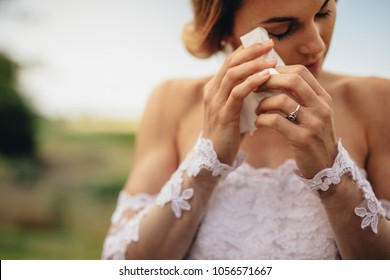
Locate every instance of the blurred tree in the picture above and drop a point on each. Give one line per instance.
(17, 120)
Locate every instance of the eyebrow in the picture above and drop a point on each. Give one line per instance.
(325, 4)
(288, 19)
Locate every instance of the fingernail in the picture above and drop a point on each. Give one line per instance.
(264, 73)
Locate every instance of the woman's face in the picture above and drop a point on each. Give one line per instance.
(301, 29)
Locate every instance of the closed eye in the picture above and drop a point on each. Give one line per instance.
(291, 28)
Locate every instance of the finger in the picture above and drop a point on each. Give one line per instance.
(307, 76)
(279, 103)
(239, 73)
(241, 91)
(250, 53)
(295, 85)
(279, 123)
(242, 55)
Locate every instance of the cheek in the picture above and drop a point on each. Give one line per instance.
(327, 32)
(327, 28)
(326, 35)
(287, 50)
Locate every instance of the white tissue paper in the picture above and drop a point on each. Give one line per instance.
(248, 115)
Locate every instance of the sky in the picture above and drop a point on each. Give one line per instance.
(102, 58)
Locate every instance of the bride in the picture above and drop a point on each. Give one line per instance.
(310, 182)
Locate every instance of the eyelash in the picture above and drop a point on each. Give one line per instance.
(324, 15)
(284, 35)
(292, 27)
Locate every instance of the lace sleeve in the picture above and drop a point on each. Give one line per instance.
(125, 222)
(131, 209)
(201, 157)
(370, 209)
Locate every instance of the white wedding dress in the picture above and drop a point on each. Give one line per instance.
(253, 214)
(264, 214)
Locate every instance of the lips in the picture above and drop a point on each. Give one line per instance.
(313, 66)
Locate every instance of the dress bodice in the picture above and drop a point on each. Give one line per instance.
(264, 214)
(252, 214)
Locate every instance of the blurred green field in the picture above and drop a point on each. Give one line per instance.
(58, 205)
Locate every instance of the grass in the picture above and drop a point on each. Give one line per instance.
(29, 244)
(58, 205)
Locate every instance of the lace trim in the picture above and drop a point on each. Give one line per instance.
(171, 192)
(202, 156)
(127, 201)
(205, 157)
(126, 230)
(264, 213)
(370, 210)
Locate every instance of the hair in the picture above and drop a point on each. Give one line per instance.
(213, 21)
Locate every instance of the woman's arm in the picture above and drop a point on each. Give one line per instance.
(163, 230)
(361, 231)
(148, 230)
(312, 137)
(353, 242)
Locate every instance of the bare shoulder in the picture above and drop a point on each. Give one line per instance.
(373, 90)
(371, 96)
(156, 145)
(368, 98)
(178, 95)
(169, 102)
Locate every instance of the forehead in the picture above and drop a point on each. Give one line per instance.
(253, 12)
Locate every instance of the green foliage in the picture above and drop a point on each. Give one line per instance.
(8, 71)
(17, 120)
(59, 204)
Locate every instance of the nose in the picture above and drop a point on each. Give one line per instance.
(312, 42)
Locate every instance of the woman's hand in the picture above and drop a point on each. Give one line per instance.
(311, 135)
(242, 72)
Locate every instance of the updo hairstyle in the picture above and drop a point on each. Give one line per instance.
(213, 21)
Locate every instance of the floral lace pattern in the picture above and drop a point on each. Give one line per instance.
(264, 214)
(201, 157)
(370, 210)
(253, 214)
(125, 230)
(204, 156)
(171, 192)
